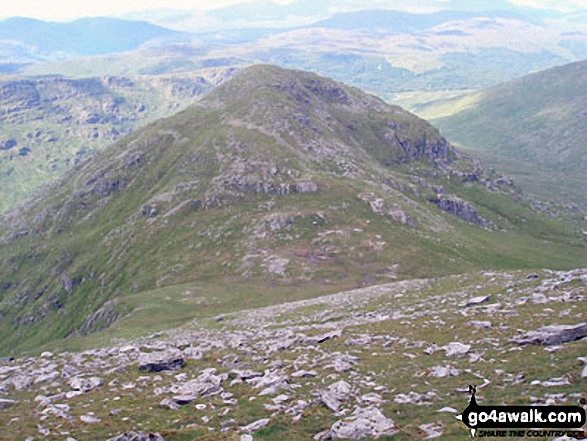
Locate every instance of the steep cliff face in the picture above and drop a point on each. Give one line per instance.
(277, 178)
(48, 124)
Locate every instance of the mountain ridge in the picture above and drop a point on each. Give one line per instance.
(276, 179)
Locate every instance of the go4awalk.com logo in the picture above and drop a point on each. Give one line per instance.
(523, 421)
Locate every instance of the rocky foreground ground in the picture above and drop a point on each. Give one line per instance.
(390, 362)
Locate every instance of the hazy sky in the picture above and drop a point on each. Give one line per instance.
(70, 9)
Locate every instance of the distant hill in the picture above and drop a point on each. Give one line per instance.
(534, 127)
(276, 181)
(400, 22)
(36, 39)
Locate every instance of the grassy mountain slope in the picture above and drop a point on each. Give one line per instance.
(49, 124)
(277, 178)
(533, 128)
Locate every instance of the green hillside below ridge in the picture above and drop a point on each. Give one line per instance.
(277, 185)
(533, 128)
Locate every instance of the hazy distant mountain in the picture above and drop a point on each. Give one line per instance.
(400, 22)
(84, 37)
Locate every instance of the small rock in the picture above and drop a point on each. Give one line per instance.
(449, 410)
(246, 437)
(477, 301)
(480, 324)
(89, 419)
(280, 399)
(556, 382)
(415, 398)
(442, 372)
(138, 436)
(5, 404)
(316, 339)
(304, 374)
(432, 430)
(256, 425)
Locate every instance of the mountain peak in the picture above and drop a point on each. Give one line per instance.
(276, 178)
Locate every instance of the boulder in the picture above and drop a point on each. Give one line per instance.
(85, 384)
(161, 361)
(363, 423)
(456, 349)
(552, 335)
(336, 394)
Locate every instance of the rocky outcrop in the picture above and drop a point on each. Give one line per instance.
(553, 335)
(458, 207)
(161, 361)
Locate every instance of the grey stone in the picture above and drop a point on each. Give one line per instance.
(552, 335)
(477, 300)
(256, 425)
(363, 423)
(316, 339)
(343, 362)
(85, 384)
(415, 398)
(161, 361)
(336, 394)
(480, 324)
(443, 372)
(166, 402)
(205, 385)
(5, 404)
(458, 207)
(456, 349)
(432, 430)
(304, 374)
(89, 419)
(137, 436)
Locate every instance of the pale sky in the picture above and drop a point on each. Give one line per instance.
(60, 10)
(70, 9)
